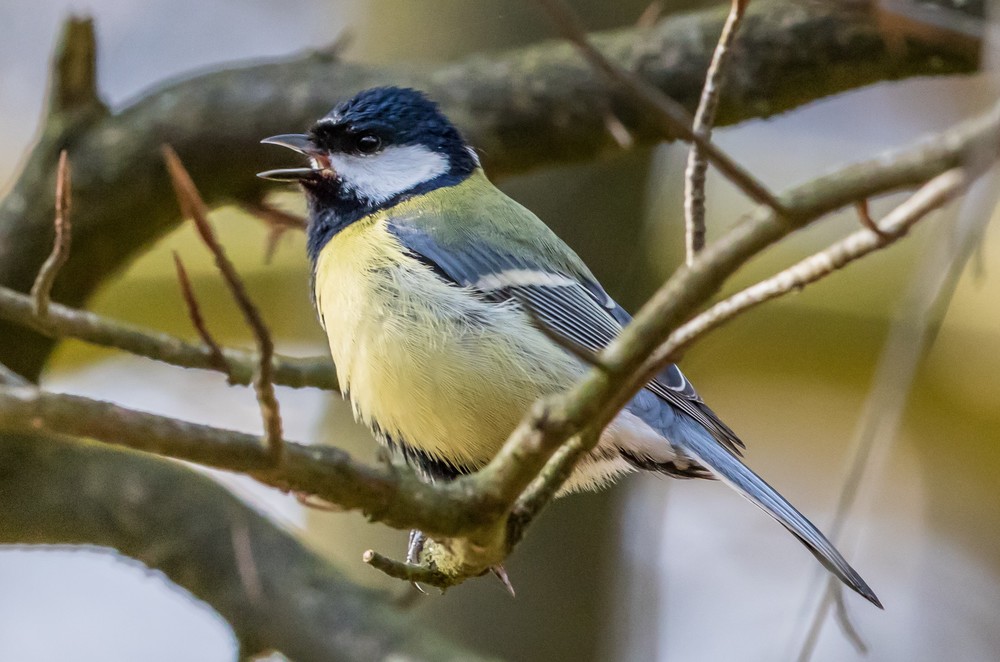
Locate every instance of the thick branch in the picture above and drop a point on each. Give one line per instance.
(524, 109)
(204, 539)
(398, 499)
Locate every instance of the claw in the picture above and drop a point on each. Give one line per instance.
(501, 574)
(413, 550)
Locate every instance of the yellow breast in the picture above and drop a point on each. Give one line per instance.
(428, 363)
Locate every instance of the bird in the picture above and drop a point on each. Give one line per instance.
(444, 302)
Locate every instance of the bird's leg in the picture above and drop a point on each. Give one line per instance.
(413, 551)
(415, 547)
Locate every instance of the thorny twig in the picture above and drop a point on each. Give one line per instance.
(192, 205)
(672, 119)
(704, 118)
(41, 290)
(198, 320)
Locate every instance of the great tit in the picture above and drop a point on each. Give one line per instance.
(431, 285)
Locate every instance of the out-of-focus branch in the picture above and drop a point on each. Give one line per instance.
(669, 115)
(119, 177)
(384, 494)
(63, 322)
(483, 515)
(704, 118)
(194, 531)
(633, 358)
(925, 303)
(41, 290)
(934, 195)
(192, 205)
(215, 354)
(278, 222)
(10, 378)
(523, 109)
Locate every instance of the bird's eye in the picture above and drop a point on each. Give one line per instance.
(367, 143)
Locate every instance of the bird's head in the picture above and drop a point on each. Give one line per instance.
(381, 145)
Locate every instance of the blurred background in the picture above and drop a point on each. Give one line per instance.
(651, 569)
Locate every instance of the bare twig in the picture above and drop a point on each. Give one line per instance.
(41, 290)
(596, 399)
(925, 304)
(10, 378)
(547, 485)
(936, 193)
(650, 15)
(278, 222)
(396, 498)
(472, 514)
(704, 118)
(416, 574)
(194, 312)
(864, 215)
(671, 118)
(192, 205)
(246, 566)
(64, 322)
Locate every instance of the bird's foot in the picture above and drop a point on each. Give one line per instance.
(414, 549)
(501, 574)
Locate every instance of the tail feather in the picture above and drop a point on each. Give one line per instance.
(729, 469)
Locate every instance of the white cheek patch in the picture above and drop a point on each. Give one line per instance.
(394, 170)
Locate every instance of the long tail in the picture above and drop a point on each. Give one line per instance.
(729, 469)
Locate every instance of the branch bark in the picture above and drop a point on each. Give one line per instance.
(195, 532)
(523, 109)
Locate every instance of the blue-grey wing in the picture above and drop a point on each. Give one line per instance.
(573, 306)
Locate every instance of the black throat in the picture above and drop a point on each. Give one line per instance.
(333, 207)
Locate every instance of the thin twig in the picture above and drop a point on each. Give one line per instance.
(278, 222)
(650, 15)
(197, 319)
(547, 485)
(936, 193)
(671, 118)
(41, 290)
(597, 398)
(10, 378)
(416, 574)
(913, 330)
(847, 626)
(65, 322)
(864, 215)
(192, 205)
(704, 119)
(246, 565)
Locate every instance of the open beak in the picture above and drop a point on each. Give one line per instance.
(301, 144)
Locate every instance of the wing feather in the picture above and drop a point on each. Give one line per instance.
(572, 305)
